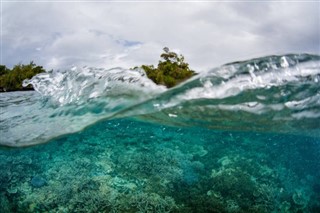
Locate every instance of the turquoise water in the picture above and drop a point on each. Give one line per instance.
(240, 138)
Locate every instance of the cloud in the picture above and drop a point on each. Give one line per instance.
(106, 34)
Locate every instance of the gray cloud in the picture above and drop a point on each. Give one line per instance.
(106, 34)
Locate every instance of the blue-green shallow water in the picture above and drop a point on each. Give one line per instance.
(130, 166)
(244, 137)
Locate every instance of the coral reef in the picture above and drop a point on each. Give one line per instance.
(166, 169)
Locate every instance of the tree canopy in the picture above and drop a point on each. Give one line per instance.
(11, 80)
(171, 70)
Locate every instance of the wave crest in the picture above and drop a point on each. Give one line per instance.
(80, 85)
(272, 94)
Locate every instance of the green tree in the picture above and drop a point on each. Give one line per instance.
(11, 80)
(3, 70)
(171, 70)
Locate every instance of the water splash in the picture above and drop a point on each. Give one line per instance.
(272, 94)
(80, 85)
(70, 101)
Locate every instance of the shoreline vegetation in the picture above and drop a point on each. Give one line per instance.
(11, 79)
(171, 71)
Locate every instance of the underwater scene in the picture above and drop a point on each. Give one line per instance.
(243, 137)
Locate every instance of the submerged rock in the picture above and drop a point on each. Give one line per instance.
(38, 182)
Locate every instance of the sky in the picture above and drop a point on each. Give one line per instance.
(61, 34)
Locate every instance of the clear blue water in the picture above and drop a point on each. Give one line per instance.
(244, 137)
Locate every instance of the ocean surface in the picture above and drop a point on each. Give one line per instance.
(242, 137)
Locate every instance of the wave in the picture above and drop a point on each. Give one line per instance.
(271, 94)
(278, 94)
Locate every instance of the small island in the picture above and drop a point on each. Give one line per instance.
(171, 71)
